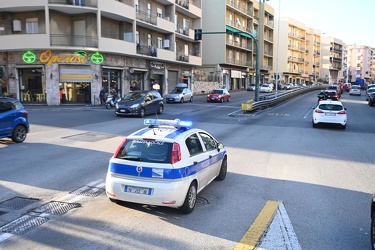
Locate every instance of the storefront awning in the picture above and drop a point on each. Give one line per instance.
(75, 73)
(240, 32)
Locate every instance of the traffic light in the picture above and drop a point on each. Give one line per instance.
(1, 72)
(198, 34)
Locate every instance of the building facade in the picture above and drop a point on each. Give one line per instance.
(358, 63)
(229, 48)
(332, 60)
(299, 50)
(77, 47)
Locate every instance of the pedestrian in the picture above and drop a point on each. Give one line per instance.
(102, 96)
(87, 95)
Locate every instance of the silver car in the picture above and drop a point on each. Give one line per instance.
(180, 94)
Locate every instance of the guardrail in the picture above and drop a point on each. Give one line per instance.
(272, 100)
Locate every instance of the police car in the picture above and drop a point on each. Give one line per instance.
(165, 164)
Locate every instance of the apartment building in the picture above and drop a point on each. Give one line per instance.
(299, 50)
(332, 60)
(229, 51)
(358, 63)
(48, 46)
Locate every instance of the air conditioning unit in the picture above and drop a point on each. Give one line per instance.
(17, 25)
(166, 44)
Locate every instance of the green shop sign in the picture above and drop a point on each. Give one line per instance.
(48, 57)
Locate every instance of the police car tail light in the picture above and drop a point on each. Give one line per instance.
(319, 111)
(341, 113)
(176, 153)
(119, 148)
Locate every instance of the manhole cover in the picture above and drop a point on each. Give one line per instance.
(201, 201)
(89, 137)
(56, 207)
(17, 203)
(88, 191)
(23, 224)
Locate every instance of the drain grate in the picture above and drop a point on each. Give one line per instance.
(88, 191)
(56, 207)
(89, 137)
(23, 224)
(2, 212)
(17, 203)
(200, 202)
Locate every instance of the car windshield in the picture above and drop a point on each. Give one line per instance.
(332, 107)
(177, 91)
(133, 96)
(218, 91)
(146, 151)
(265, 85)
(355, 87)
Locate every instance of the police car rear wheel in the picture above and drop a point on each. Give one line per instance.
(190, 199)
(223, 170)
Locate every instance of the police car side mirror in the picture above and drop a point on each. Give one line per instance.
(220, 146)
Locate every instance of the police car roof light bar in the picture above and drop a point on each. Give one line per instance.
(176, 123)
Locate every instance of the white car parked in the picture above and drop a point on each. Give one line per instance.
(330, 112)
(165, 164)
(265, 88)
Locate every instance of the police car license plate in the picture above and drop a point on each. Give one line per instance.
(330, 114)
(137, 190)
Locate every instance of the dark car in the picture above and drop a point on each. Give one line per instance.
(14, 122)
(218, 95)
(335, 87)
(328, 94)
(140, 103)
(371, 99)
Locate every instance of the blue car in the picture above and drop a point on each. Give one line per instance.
(14, 122)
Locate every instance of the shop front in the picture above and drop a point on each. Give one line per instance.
(32, 85)
(75, 83)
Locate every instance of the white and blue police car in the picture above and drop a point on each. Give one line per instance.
(165, 164)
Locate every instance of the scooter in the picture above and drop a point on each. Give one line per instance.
(110, 102)
(322, 96)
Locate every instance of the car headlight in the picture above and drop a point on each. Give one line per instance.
(134, 106)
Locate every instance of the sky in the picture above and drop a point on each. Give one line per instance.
(353, 22)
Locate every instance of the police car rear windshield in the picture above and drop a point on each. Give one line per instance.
(146, 151)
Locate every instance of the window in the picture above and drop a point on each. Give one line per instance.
(159, 12)
(32, 26)
(186, 52)
(160, 43)
(137, 37)
(148, 10)
(193, 144)
(149, 42)
(136, 6)
(208, 141)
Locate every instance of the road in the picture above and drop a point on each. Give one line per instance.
(322, 176)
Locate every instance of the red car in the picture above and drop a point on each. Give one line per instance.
(218, 95)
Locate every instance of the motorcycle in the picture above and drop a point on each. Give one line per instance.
(111, 102)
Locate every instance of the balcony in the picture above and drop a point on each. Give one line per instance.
(119, 11)
(146, 18)
(188, 8)
(16, 42)
(116, 46)
(143, 49)
(82, 3)
(73, 40)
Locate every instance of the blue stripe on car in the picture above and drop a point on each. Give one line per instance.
(171, 174)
